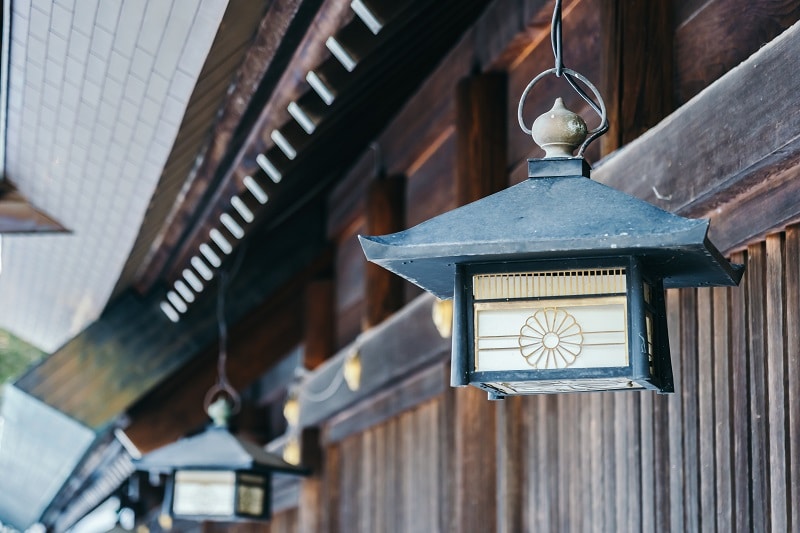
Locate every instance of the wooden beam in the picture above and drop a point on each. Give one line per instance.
(281, 29)
(388, 355)
(397, 398)
(381, 83)
(729, 154)
(385, 213)
(636, 88)
(17, 215)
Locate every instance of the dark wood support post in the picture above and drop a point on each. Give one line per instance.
(311, 509)
(319, 323)
(481, 165)
(385, 213)
(637, 70)
(482, 136)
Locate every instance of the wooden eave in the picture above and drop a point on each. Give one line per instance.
(17, 215)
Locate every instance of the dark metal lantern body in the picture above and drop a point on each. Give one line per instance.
(558, 220)
(217, 451)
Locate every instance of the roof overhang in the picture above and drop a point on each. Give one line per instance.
(548, 217)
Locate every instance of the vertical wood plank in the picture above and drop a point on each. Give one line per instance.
(392, 466)
(608, 468)
(792, 265)
(689, 389)
(382, 473)
(585, 474)
(706, 420)
(446, 458)
(481, 143)
(332, 489)
(369, 482)
(320, 330)
(475, 453)
(385, 213)
(675, 415)
(621, 492)
(596, 454)
(634, 458)
(759, 445)
(661, 456)
(408, 439)
(647, 464)
(509, 465)
(776, 376)
(722, 409)
(741, 400)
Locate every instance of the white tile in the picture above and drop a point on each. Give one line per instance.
(43, 6)
(101, 43)
(182, 84)
(150, 111)
(23, 7)
(174, 40)
(106, 114)
(118, 66)
(74, 71)
(157, 87)
(78, 47)
(129, 29)
(95, 69)
(153, 24)
(108, 14)
(128, 113)
(134, 90)
(173, 111)
(141, 63)
(36, 51)
(61, 21)
(112, 90)
(83, 16)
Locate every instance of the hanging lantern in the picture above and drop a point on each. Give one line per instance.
(557, 282)
(215, 475)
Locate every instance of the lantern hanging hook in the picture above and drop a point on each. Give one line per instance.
(559, 70)
(216, 406)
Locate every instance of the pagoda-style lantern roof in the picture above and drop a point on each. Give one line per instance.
(557, 212)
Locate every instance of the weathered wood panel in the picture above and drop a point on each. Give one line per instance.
(720, 35)
(388, 477)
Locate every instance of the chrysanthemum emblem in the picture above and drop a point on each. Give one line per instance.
(551, 338)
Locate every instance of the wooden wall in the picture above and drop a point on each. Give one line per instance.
(722, 454)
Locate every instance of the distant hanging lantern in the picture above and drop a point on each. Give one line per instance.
(215, 475)
(558, 282)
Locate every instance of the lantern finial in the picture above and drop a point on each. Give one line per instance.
(559, 132)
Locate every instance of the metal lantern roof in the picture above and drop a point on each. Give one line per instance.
(214, 449)
(557, 212)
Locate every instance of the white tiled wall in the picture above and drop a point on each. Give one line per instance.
(97, 91)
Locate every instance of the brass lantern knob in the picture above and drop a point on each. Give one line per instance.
(559, 132)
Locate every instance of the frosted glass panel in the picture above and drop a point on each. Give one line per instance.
(551, 334)
(204, 493)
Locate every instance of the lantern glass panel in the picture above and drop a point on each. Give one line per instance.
(204, 493)
(251, 495)
(551, 320)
